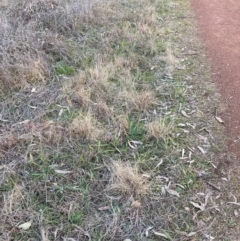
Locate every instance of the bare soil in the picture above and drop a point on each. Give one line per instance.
(219, 21)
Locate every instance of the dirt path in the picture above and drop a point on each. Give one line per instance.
(219, 23)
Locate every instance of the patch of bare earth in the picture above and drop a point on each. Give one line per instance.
(108, 124)
(218, 29)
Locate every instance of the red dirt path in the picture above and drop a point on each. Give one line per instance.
(219, 24)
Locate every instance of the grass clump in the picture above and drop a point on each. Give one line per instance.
(85, 126)
(137, 100)
(64, 69)
(127, 180)
(160, 129)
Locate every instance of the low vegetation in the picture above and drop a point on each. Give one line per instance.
(107, 124)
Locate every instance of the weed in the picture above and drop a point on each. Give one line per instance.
(64, 69)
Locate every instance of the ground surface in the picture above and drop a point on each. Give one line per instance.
(109, 125)
(219, 24)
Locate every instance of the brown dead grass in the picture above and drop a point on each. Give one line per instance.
(127, 180)
(134, 100)
(171, 61)
(160, 129)
(85, 126)
(12, 200)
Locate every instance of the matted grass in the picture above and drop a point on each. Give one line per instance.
(107, 124)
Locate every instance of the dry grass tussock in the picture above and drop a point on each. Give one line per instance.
(137, 100)
(127, 179)
(160, 129)
(12, 201)
(85, 126)
(171, 61)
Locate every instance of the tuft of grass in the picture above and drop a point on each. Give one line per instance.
(171, 61)
(137, 100)
(160, 129)
(127, 180)
(85, 126)
(13, 200)
(64, 69)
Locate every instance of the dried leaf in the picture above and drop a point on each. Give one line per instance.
(164, 235)
(179, 185)
(145, 175)
(219, 119)
(206, 199)
(183, 152)
(22, 122)
(132, 146)
(104, 208)
(160, 163)
(187, 209)
(136, 204)
(163, 191)
(184, 114)
(185, 131)
(62, 171)
(33, 107)
(1, 119)
(196, 205)
(181, 232)
(172, 192)
(200, 137)
(192, 234)
(137, 142)
(236, 213)
(214, 186)
(192, 126)
(25, 226)
(147, 231)
(201, 149)
(60, 113)
(181, 125)
(234, 203)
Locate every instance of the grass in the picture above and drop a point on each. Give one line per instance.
(159, 129)
(107, 133)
